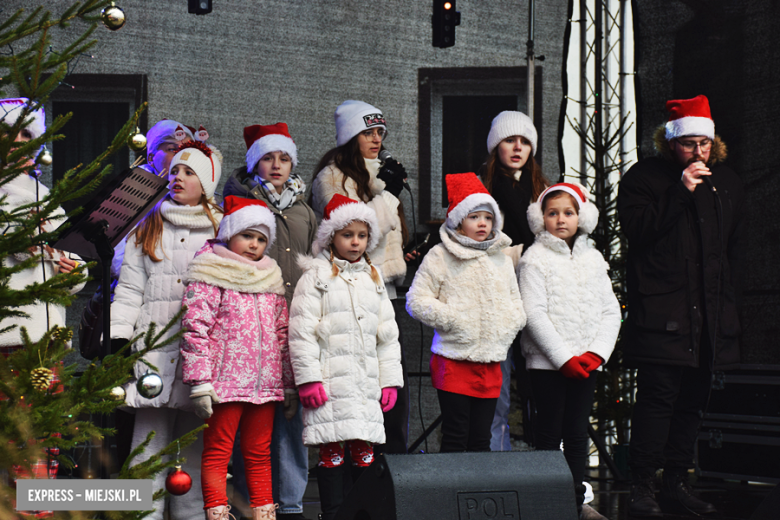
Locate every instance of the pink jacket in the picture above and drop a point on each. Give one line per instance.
(235, 326)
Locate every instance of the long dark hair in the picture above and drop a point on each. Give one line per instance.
(349, 160)
(493, 167)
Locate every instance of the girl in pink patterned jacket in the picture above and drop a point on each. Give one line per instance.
(235, 353)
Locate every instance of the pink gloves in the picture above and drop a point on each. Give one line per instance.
(590, 361)
(312, 394)
(389, 397)
(573, 369)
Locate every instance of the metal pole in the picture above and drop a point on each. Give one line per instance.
(598, 127)
(529, 55)
(583, 88)
(622, 79)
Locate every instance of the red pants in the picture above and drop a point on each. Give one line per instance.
(332, 454)
(257, 424)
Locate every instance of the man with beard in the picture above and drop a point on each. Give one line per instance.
(681, 212)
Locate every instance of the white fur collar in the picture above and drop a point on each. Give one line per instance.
(466, 253)
(234, 272)
(185, 216)
(22, 190)
(559, 245)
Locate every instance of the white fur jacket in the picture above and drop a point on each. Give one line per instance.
(150, 291)
(388, 254)
(470, 297)
(569, 301)
(343, 333)
(25, 190)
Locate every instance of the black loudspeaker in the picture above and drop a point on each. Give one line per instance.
(769, 507)
(534, 485)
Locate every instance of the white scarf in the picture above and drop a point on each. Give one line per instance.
(185, 216)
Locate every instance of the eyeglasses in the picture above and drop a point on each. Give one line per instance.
(368, 134)
(690, 146)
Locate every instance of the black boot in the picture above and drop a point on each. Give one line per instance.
(641, 501)
(677, 496)
(357, 471)
(330, 482)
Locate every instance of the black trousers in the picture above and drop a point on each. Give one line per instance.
(665, 422)
(563, 408)
(397, 419)
(466, 422)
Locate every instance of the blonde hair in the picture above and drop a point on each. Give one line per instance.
(335, 269)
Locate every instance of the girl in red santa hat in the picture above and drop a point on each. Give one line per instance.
(344, 346)
(234, 351)
(573, 323)
(466, 290)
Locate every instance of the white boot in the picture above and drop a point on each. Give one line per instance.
(266, 512)
(219, 513)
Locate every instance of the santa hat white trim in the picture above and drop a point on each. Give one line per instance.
(270, 143)
(255, 217)
(340, 218)
(588, 212)
(691, 125)
(467, 205)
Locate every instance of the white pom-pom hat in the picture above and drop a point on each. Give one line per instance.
(509, 123)
(241, 214)
(588, 212)
(466, 193)
(263, 139)
(689, 117)
(11, 109)
(204, 160)
(338, 214)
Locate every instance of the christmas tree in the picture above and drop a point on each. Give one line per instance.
(38, 420)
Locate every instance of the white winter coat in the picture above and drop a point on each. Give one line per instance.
(470, 297)
(388, 255)
(343, 333)
(22, 190)
(569, 301)
(151, 291)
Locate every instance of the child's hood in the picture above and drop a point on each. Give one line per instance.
(216, 265)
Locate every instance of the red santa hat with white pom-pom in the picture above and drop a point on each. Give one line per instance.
(689, 117)
(588, 212)
(242, 214)
(340, 212)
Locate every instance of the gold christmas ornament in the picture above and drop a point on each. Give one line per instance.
(113, 17)
(118, 393)
(45, 158)
(137, 141)
(63, 334)
(41, 378)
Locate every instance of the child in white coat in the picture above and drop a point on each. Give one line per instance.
(150, 289)
(466, 289)
(573, 323)
(343, 346)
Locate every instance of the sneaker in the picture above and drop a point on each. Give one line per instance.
(641, 501)
(588, 513)
(677, 496)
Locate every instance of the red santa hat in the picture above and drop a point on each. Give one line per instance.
(689, 117)
(11, 109)
(338, 214)
(241, 214)
(262, 139)
(467, 194)
(588, 212)
(204, 160)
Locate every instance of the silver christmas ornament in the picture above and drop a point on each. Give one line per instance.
(113, 17)
(45, 157)
(150, 385)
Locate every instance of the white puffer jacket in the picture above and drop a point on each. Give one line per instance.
(470, 297)
(19, 191)
(343, 333)
(569, 302)
(388, 255)
(151, 291)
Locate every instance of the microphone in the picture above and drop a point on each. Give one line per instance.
(385, 156)
(708, 182)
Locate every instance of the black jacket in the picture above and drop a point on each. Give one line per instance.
(513, 199)
(683, 262)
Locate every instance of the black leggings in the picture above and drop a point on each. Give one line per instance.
(466, 422)
(562, 413)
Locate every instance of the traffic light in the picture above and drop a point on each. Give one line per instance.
(445, 18)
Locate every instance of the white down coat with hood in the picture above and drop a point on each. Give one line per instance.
(343, 333)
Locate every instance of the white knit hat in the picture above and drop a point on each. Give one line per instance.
(509, 123)
(338, 214)
(11, 109)
(588, 212)
(352, 117)
(261, 140)
(242, 213)
(167, 131)
(204, 160)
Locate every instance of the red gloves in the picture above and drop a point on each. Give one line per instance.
(573, 369)
(389, 397)
(312, 394)
(590, 361)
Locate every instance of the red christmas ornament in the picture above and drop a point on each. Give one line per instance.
(178, 482)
